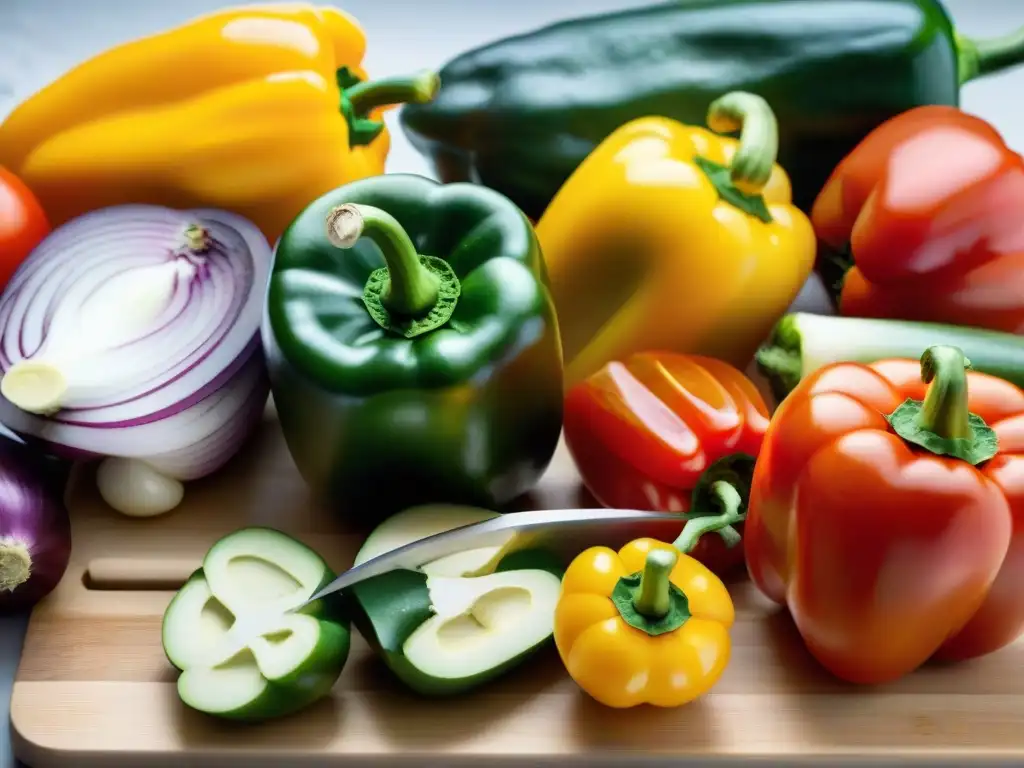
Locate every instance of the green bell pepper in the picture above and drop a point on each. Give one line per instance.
(233, 631)
(413, 348)
(520, 114)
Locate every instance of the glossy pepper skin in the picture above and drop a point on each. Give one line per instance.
(644, 613)
(402, 379)
(521, 113)
(887, 513)
(23, 224)
(671, 433)
(672, 237)
(929, 209)
(253, 109)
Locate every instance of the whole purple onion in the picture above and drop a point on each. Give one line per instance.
(35, 531)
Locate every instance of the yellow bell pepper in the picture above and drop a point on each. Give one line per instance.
(254, 109)
(672, 237)
(644, 625)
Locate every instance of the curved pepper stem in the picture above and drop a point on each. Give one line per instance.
(944, 411)
(976, 58)
(942, 423)
(731, 504)
(406, 89)
(413, 294)
(653, 599)
(751, 166)
(359, 98)
(412, 289)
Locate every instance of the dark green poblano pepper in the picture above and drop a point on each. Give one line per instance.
(520, 114)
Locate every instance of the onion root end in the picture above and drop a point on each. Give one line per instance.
(15, 564)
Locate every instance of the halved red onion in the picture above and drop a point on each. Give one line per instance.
(133, 333)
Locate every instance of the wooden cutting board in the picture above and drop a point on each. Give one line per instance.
(95, 691)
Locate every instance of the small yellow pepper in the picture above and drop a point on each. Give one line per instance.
(253, 109)
(672, 237)
(644, 625)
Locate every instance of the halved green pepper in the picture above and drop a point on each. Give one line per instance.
(413, 348)
(461, 621)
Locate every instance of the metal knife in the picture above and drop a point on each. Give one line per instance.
(565, 532)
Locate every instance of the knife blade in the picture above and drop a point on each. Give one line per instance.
(566, 532)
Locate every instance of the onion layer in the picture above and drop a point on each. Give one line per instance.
(133, 332)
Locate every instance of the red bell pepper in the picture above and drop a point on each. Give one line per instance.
(671, 433)
(930, 208)
(889, 515)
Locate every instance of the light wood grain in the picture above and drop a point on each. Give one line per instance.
(95, 691)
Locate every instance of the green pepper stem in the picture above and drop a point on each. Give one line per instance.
(404, 89)
(751, 166)
(976, 58)
(653, 599)
(945, 411)
(413, 289)
(730, 502)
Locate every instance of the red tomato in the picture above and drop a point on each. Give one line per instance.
(23, 224)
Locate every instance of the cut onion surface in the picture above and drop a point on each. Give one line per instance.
(132, 334)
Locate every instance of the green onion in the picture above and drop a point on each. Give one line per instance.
(802, 343)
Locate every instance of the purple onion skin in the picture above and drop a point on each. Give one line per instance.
(33, 522)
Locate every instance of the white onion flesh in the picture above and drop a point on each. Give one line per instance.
(144, 324)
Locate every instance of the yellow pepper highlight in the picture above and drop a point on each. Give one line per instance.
(644, 625)
(673, 237)
(255, 109)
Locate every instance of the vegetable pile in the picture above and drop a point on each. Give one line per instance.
(630, 203)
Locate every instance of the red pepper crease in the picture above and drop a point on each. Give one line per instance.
(671, 433)
(930, 207)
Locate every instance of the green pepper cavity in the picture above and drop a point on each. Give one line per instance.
(455, 624)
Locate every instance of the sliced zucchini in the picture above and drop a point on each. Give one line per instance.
(232, 630)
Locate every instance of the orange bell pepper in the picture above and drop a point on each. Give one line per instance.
(255, 109)
(644, 625)
(887, 513)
